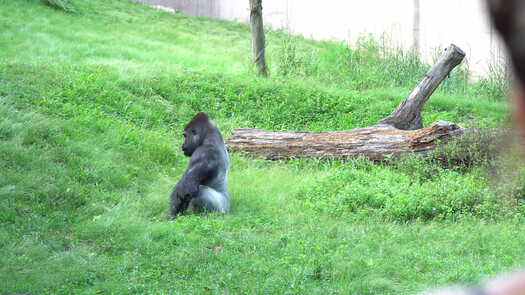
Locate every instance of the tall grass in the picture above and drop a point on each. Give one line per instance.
(376, 62)
(369, 63)
(295, 59)
(371, 59)
(497, 80)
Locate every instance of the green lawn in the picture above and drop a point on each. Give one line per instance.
(92, 105)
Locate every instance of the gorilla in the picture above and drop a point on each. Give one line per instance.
(204, 184)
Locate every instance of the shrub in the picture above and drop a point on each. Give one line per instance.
(477, 147)
(416, 189)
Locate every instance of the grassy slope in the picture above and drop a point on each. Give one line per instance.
(90, 104)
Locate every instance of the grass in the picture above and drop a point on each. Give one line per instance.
(92, 103)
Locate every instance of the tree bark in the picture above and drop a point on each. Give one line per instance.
(399, 133)
(374, 142)
(258, 40)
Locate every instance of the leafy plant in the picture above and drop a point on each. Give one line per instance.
(294, 58)
(413, 189)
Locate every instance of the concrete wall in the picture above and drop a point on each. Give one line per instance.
(193, 7)
(441, 22)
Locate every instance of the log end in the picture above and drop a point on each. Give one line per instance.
(457, 51)
(439, 131)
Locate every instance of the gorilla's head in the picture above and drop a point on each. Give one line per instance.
(195, 132)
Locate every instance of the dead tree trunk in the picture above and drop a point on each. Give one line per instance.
(258, 41)
(407, 116)
(374, 142)
(395, 135)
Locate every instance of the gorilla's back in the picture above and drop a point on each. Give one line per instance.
(219, 182)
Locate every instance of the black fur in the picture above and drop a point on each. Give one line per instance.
(204, 184)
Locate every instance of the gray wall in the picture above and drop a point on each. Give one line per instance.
(206, 8)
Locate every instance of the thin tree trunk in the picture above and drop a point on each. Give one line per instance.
(394, 135)
(417, 23)
(258, 40)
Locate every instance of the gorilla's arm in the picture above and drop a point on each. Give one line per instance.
(202, 163)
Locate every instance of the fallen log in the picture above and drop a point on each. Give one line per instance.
(399, 133)
(374, 142)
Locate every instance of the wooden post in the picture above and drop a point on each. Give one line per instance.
(258, 41)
